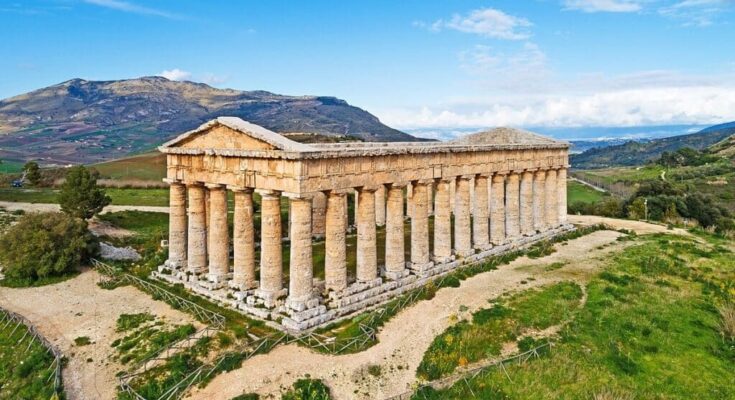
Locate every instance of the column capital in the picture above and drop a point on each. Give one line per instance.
(484, 175)
(336, 193)
(244, 189)
(465, 177)
(398, 185)
(193, 183)
(173, 181)
(532, 169)
(501, 173)
(215, 186)
(367, 189)
(268, 193)
(298, 196)
(422, 182)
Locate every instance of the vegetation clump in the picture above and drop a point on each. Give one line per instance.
(126, 322)
(308, 389)
(25, 371)
(45, 245)
(79, 196)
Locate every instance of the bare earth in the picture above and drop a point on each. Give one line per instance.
(405, 338)
(78, 307)
(49, 207)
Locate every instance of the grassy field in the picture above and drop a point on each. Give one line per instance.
(650, 329)
(577, 192)
(10, 166)
(144, 167)
(122, 197)
(24, 374)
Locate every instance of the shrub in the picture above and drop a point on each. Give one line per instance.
(82, 341)
(46, 244)
(79, 196)
(727, 325)
(308, 389)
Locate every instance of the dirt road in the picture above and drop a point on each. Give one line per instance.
(48, 207)
(78, 307)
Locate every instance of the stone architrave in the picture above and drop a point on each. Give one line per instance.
(271, 255)
(480, 220)
(462, 228)
(442, 223)
(367, 257)
(395, 257)
(301, 271)
(552, 206)
(527, 203)
(244, 240)
(539, 200)
(177, 225)
(335, 261)
(219, 242)
(512, 206)
(497, 210)
(197, 232)
(420, 257)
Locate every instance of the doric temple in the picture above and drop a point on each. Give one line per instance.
(421, 210)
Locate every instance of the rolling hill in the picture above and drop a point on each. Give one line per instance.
(638, 153)
(80, 121)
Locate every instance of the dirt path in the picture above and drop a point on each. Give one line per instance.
(639, 227)
(49, 207)
(405, 338)
(78, 307)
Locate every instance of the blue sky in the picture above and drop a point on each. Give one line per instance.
(415, 64)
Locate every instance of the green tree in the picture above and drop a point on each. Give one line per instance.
(79, 196)
(46, 244)
(33, 172)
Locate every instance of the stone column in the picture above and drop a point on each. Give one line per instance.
(512, 206)
(244, 240)
(462, 228)
(301, 271)
(527, 203)
(395, 257)
(539, 200)
(271, 256)
(430, 198)
(318, 214)
(177, 225)
(497, 211)
(197, 233)
(420, 257)
(561, 180)
(219, 240)
(367, 258)
(335, 260)
(552, 201)
(380, 206)
(409, 201)
(480, 222)
(442, 223)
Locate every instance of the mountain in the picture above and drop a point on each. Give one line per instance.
(724, 148)
(637, 153)
(80, 121)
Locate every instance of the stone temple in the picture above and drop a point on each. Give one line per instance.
(421, 210)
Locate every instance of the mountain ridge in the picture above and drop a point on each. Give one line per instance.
(84, 121)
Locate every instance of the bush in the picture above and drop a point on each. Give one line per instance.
(42, 245)
(308, 389)
(79, 196)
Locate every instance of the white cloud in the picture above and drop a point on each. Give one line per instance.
(175, 74)
(488, 22)
(696, 12)
(521, 70)
(592, 6)
(613, 102)
(213, 79)
(125, 6)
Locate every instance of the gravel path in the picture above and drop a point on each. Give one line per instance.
(49, 207)
(78, 307)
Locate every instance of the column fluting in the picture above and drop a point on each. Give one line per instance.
(380, 206)
(552, 201)
(177, 225)
(462, 228)
(335, 260)
(271, 256)
(367, 259)
(497, 211)
(244, 240)
(219, 241)
(527, 203)
(539, 200)
(480, 220)
(512, 206)
(420, 257)
(197, 231)
(395, 257)
(442, 223)
(301, 271)
(318, 214)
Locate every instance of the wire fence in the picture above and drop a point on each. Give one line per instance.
(7, 318)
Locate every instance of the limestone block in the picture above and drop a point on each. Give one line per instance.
(301, 272)
(380, 206)
(419, 226)
(219, 251)
(197, 232)
(244, 241)
(512, 206)
(394, 236)
(335, 261)
(552, 200)
(271, 258)
(497, 211)
(561, 180)
(539, 200)
(481, 221)
(177, 225)
(319, 215)
(442, 223)
(367, 260)
(527, 203)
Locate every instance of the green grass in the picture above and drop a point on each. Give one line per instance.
(10, 166)
(126, 322)
(577, 192)
(307, 389)
(649, 330)
(145, 167)
(23, 374)
(121, 197)
(146, 338)
(30, 282)
(484, 336)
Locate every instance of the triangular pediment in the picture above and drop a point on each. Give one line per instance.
(234, 134)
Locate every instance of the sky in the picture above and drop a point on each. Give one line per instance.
(416, 64)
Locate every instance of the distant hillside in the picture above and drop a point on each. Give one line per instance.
(81, 121)
(638, 153)
(724, 148)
